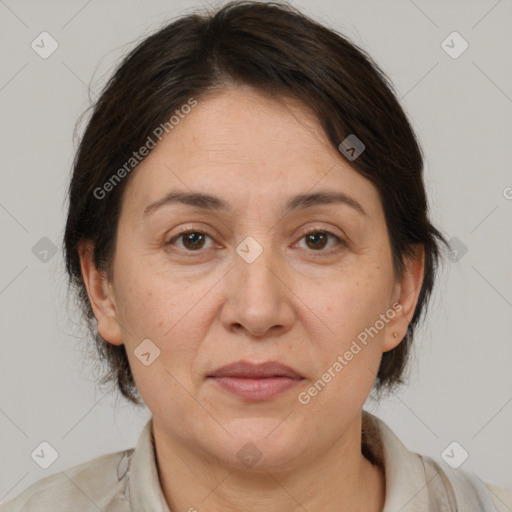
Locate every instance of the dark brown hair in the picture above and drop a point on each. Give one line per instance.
(275, 49)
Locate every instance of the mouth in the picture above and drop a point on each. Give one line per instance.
(255, 382)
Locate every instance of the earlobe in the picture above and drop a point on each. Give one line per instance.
(101, 296)
(407, 292)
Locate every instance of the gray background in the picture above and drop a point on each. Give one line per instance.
(460, 386)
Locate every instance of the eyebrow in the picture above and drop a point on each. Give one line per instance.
(215, 203)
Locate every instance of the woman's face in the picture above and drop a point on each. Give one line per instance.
(257, 279)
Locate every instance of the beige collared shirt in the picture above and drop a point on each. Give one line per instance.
(127, 481)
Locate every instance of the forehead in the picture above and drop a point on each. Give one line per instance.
(247, 148)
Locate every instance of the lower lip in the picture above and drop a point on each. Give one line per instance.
(256, 389)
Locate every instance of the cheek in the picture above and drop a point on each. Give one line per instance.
(347, 351)
(174, 323)
(151, 304)
(349, 302)
(349, 334)
(166, 311)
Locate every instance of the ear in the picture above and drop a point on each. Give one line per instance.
(405, 297)
(101, 296)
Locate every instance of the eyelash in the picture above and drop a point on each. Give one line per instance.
(322, 252)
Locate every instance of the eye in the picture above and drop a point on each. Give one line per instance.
(317, 240)
(192, 241)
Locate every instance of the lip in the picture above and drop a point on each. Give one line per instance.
(258, 382)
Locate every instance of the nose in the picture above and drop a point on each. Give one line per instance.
(259, 299)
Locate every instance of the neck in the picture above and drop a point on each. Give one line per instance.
(339, 479)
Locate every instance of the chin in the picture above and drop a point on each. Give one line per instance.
(262, 444)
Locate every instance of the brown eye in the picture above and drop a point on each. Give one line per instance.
(193, 240)
(318, 240)
(190, 240)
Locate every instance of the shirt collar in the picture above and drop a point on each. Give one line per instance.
(145, 491)
(406, 484)
(406, 489)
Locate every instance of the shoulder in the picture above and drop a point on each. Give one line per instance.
(502, 497)
(94, 485)
(407, 471)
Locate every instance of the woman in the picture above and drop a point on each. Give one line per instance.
(248, 234)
